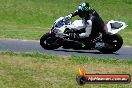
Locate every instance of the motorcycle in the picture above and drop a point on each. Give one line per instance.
(59, 37)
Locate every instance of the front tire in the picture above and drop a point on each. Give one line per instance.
(48, 42)
(115, 41)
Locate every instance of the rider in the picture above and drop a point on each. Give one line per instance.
(91, 17)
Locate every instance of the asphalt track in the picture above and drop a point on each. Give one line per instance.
(33, 46)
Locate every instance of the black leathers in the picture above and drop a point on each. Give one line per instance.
(97, 22)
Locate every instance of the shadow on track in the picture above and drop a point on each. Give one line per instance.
(82, 51)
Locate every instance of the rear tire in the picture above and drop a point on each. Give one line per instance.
(114, 40)
(47, 42)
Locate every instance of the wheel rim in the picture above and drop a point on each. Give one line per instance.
(113, 43)
(48, 41)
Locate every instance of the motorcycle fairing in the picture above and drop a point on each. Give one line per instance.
(79, 24)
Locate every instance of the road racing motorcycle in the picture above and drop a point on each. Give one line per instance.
(59, 37)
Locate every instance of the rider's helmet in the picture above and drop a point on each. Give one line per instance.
(83, 8)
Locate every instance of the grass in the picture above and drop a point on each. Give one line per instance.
(29, 19)
(27, 70)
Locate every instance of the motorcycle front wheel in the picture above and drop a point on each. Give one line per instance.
(48, 42)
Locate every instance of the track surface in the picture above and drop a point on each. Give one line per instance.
(33, 46)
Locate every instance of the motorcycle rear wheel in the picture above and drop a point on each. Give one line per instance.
(115, 41)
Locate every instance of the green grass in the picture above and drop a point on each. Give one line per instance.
(29, 19)
(28, 70)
